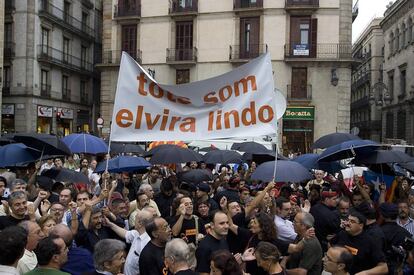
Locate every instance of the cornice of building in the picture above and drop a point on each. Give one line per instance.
(374, 24)
(395, 12)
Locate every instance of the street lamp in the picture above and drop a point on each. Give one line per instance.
(384, 97)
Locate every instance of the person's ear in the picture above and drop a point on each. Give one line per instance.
(341, 266)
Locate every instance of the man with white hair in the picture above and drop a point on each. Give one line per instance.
(319, 174)
(147, 189)
(138, 238)
(176, 257)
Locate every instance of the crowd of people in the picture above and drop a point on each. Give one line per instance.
(153, 222)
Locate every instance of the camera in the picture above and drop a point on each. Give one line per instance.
(403, 250)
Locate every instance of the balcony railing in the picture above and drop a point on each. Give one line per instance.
(319, 51)
(9, 49)
(45, 90)
(9, 6)
(84, 98)
(87, 3)
(299, 92)
(6, 88)
(183, 7)
(66, 94)
(361, 80)
(301, 4)
(114, 57)
(63, 59)
(182, 55)
(362, 57)
(243, 4)
(67, 21)
(360, 103)
(124, 11)
(243, 52)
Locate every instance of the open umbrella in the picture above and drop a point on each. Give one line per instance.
(167, 153)
(262, 156)
(66, 175)
(310, 161)
(222, 156)
(249, 147)
(408, 165)
(17, 153)
(47, 144)
(382, 156)
(208, 149)
(85, 143)
(333, 139)
(195, 176)
(286, 171)
(124, 148)
(348, 149)
(123, 164)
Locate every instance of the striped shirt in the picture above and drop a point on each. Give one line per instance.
(409, 226)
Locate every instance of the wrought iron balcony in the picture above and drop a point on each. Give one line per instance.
(114, 57)
(183, 7)
(87, 3)
(6, 88)
(45, 90)
(9, 49)
(182, 56)
(127, 9)
(84, 98)
(242, 53)
(299, 92)
(301, 4)
(65, 20)
(361, 80)
(318, 51)
(360, 103)
(56, 57)
(66, 94)
(245, 4)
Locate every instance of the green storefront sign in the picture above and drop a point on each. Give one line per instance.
(299, 113)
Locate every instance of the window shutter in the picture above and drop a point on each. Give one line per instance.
(314, 37)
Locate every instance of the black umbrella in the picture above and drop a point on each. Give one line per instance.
(168, 153)
(263, 156)
(123, 148)
(207, 149)
(222, 156)
(249, 147)
(382, 156)
(333, 139)
(286, 171)
(195, 176)
(47, 144)
(65, 175)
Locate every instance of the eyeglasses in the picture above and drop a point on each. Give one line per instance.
(353, 221)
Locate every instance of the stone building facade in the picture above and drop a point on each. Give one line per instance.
(367, 78)
(188, 40)
(49, 80)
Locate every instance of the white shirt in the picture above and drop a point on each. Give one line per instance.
(8, 270)
(28, 262)
(285, 230)
(131, 266)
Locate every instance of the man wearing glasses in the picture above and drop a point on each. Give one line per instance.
(368, 257)
(337, 261)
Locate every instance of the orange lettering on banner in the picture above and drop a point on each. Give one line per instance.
(226, 92)
(125, 118)
(265, 114)
(141, 80)
(244, 81)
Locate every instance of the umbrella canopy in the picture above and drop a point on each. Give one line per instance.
(122, 148)
(222, 156)
(262, 156)
(208, 149)
(408, 165)
(249, 147)
(47, 144)
(286, 171)
(85, 143)
(348, 149)
(310, 161)
(17, 153)
(123, 164)
(382, 156)
(165, 154)
(195, 176)
(333, 139)
(66, 175)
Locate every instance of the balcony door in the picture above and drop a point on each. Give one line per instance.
(129, 40)
(184, 40)
(303, 36)
(249, 37)
(299, 83)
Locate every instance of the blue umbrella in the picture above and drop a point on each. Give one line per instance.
(123, 164)
(333, 139)
(348, 149)
(383, 156)
(310, 161)
(85, 143)
(286, 171)
(17, 153)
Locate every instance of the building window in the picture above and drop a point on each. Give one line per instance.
(44, 84)
(389, 129)
(6, 80)
(129, 40)
(391, 84)
(182, 76)
(66, 12)
(403, 81)
(45, 40)
(401, 118)
(184, 40)
(391, 43)
(84, 97)
(84, 21)
(65, 88)
(402, 36)
(66, 43)
(84, 52)
(303, 36)
(397, 40)
(8, 33)
(409, 30)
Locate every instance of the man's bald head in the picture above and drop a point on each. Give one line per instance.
(142, 218)
(63, 231)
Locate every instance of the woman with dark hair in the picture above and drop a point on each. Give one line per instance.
(267, 257)
(224, 263)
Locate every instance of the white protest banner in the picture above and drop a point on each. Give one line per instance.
(240, 103)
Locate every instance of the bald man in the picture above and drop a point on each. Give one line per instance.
(337, 261)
